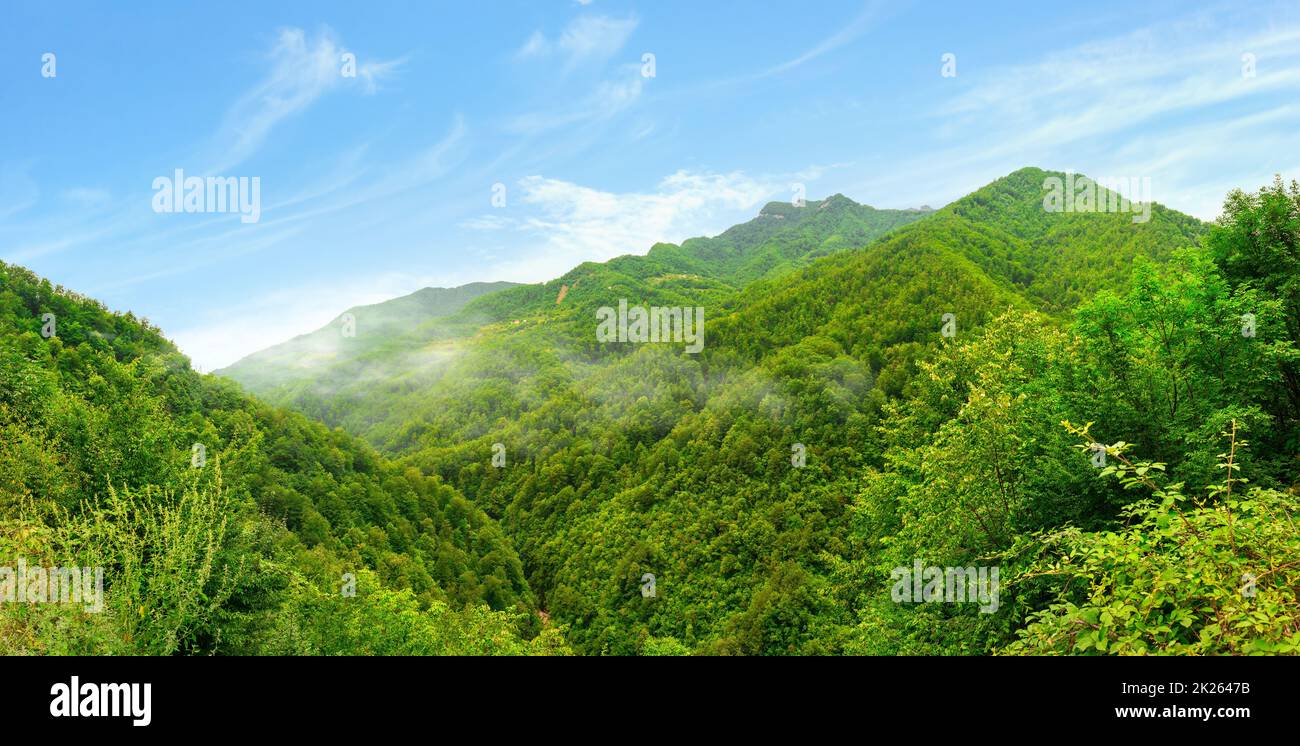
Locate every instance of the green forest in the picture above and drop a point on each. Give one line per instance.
(1105, 411)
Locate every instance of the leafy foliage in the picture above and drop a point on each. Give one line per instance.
(828, 433)
(97, 428)
(1217, 575)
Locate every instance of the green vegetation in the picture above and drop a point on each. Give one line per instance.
(377, 332)
(829, 432)
(97, 429)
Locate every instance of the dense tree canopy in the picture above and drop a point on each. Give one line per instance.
(877, 389)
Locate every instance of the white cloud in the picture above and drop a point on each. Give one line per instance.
(345, 191)
(1168, 101)
(608, 99)
(567, 224)
(18, 191)
(574, 223)
(536, 45)
(857, 27)
(302, 70)
(585, 39)
(223, 336)
(595, 37)
(485, 223)
(1120, 83)
(86, 196)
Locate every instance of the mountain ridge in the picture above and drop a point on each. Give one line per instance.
(499, 480)
(304, 353)
(1002, 228)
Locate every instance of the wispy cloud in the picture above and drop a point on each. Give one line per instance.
(1122, 82)
(220, 337)
(606, 100)
(586, 39)
(569, 106)
(535, 46)
(302, 69)
(566, 223)
(873, 12)
(342, 192)
(87, 196)
(1170, 101)
(18, 191)
(861, 23)
(572, 223)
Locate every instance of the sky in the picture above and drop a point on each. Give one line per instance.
(402, 145)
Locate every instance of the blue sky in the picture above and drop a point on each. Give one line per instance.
(378, 184)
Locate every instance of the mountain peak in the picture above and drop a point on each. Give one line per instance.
(837, 200)
(782, 210)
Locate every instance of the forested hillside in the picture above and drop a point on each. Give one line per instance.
(346, 346)
(223, 525)
(624, 459)
(382, 363)
(1104, 410)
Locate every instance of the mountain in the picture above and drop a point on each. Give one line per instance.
(708, 269)
(757, 271)
(824, 343)
(358, 332)
(1068, 398)
(222, 524)
(328, 376)
(999, 234)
